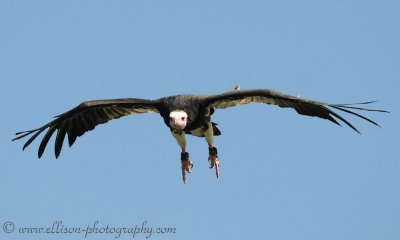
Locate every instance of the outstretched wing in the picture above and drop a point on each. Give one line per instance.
(86, 117)
(301, 105)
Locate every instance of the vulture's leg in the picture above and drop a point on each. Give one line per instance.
(187, 165)
(213, 153)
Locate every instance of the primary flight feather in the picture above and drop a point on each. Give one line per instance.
(183, 114)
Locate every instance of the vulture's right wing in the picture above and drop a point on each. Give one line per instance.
(86, 117)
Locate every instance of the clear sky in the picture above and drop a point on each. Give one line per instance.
(283, 175)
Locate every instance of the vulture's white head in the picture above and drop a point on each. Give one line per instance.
(178, 119)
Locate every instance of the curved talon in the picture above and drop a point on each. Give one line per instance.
(214, 161)
(187, 166)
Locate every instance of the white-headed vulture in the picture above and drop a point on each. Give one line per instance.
(183, 114)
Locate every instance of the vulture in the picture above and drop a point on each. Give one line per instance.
(183, 114)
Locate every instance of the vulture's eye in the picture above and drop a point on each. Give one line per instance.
(183, 118)
(170, 118)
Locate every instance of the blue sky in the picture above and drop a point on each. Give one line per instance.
(283, 176)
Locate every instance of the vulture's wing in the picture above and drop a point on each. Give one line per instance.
(302, 106)
(86, 117)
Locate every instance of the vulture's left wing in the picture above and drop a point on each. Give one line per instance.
(86, 117)
(301, 105)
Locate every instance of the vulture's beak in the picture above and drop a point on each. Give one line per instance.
(178, 125)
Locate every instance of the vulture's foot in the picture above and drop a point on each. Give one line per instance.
(187, 165)
(213, 159)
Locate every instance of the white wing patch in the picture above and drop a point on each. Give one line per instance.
(141, 110)
(251, 99)
(117, 112)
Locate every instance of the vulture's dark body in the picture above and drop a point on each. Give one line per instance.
(199, 114)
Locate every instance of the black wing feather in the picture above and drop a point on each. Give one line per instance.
(60, 137)
(45, 140)
(32, 138)
(73, 131)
